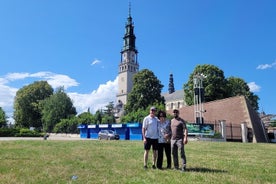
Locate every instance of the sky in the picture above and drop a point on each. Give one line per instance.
(76, 44)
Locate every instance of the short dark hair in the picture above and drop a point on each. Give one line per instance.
(161, 112)
(175, 111)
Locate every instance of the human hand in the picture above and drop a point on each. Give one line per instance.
(185, 141)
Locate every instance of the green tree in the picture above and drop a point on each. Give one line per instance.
(56, 107)
(237, 86)
(98, 117)
(140, 114)
(214, 84)
(86, 118)
(68, 125)
(3, 118)
(217, 87)
(26, 104)
(108, 114)
(146, 91)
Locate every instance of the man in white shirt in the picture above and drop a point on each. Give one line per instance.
(150, 137)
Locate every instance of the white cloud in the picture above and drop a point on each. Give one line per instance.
(97, 99)
(266, 66)
(61, 80)
(16, 76)
(55, 80)
(7, 95)
(254, 87)
(96, 61)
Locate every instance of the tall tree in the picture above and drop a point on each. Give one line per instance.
(86, 118)
(68, 125)
(3, 118)
(146, 91)
(26, 104)
(140, 114)
(108, 115)
(98, 116)
(214, 84)
(237, 86)
(56, 107)
(217, 87)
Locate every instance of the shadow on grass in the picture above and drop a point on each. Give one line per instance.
(204, 170)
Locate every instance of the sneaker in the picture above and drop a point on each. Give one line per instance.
(145, 167)
(169, 167)
(153, 166)
(183, 169)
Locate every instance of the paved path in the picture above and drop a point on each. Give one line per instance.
(51, 137)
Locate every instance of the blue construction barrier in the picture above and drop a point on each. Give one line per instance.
(122, 130)
(135, 131)
(104, 127)
(84, 133)
(129, 131)
(93, 130)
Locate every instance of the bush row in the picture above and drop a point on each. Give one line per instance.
(17, 132)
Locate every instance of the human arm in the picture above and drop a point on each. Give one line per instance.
(185, 140)
(143, 134)
(144, 129)
(168, 130)
(185, 132)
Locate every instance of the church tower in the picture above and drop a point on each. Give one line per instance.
(129, 62)
(171, 84)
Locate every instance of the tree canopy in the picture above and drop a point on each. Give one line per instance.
(216, 86)
(146, 91)
(58, 106)
(3, 118)
(27, 101)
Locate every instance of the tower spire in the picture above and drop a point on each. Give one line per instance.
(129, 9)
(128, 66)
(171, 84)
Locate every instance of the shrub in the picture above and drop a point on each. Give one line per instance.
(24, 132)
(8, 132)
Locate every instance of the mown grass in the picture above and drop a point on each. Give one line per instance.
(94, 161)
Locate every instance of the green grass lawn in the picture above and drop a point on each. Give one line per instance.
(93, 161)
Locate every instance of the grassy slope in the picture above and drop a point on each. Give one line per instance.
(94, 161)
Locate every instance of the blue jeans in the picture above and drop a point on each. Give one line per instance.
(178, 145)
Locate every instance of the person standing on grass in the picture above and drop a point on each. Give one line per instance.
(178, 140)
(150, 137)
(164, 131)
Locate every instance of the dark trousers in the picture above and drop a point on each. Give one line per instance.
(177, 145)
(161, 148)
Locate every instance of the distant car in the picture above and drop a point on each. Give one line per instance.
(108, 135)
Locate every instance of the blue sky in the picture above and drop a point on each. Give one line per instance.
(77, 44)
